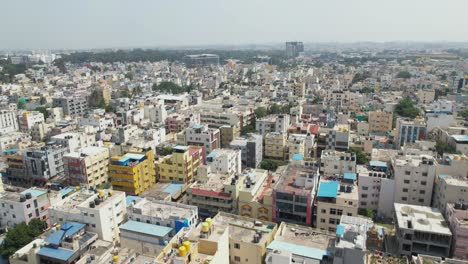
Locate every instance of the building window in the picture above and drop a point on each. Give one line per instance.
(237, 246)
(237, 259)
(405, 190)
(323, 211)
(365, 188)
(423, 183)
(322, 220)
(422, 192)
(407, 172)
(421, 200)
(404, 199)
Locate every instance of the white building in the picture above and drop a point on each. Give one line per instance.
(103, 211)
(155, 113)
(414, 178)
(273, 123)
(76, 140)
(334, 163)
(8, 122)
(225, 161)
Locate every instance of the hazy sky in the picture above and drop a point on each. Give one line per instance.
(130, 23)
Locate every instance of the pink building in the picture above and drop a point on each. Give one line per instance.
(177, 122)
(457, 215)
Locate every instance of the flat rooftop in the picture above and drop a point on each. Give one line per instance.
(165, 210)
(145, 229)
(242, 228)
(287, 181)
(213, 186)
(421, 218)
(305, 236)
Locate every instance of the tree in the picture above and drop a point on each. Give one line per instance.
(129, 75)
(274, 109)
(21, 104)
(43, 110)
(404, 75)
(166, 151)
(271, 165)
(109, 108)
(261, 112)
(464, 113)
(361, 156)
(125, 93)
(19, 236)
(406, 108)
(170, 87)
(42, 100)
(442, 147)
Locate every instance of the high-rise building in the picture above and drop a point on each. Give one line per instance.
(182, 165)
(408, 131)
(8, 121)
(294, 48)
(201, 60)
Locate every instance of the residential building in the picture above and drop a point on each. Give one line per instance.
(27, 119)
(162, 213)
(255, 195)
(293, 48)
(228, 134)
(133, 172)
(425, 96)
(338, 138)
(301, 144)
(300, 244)
(251, 147)
(380, 121)
(155, 113)
(201, 60)
(12, 141)
(71, 105)
(376, 188)
(86, 137)
(334, 162)
(43, 163)
(273, 123)
(449, 189)
(336, 198)
(22, 207)
(182, 165)
(456, 215)
(144, 238)
(176, 123)
(87, 166)
(200, 135)
(421, 230)
(276, 146)
(294, 192)
(8, 122)
(414, 178)
(225, 161)
(352, 240)
(102, 211)
(408, 131)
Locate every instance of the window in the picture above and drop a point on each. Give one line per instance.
(424, 174)
(363, 195)
(365, 188)
(93, 225)
(322, 220)
(339, 212)
(421, 200)
(407, 172)
(237, 259)
(323, 211)
(405, 190)
(332, 221)
(237, 246)
(404, 199)
(28, 206)
(349, 214)
(406, 181)
(350, 203)
(422, 192)
(423, 183)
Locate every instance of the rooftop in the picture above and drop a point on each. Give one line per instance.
(297, 178)
(146, 229)
(164, 210)
(421, 218)
(308, 237)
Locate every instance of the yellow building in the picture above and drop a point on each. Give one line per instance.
(380, 121)
(255, 195)
(133, 172)
(228, 133)
(276, 146)
(180, 166)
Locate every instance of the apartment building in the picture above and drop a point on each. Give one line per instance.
(144, 238)
(102, 212)
(294, 192)
(251, 147)
(376, 188)
(449, 189)
(85, 137)
(133, 172)
(276, 146)
(208, 242)
(27, 119)
(8, 122)
(214, 192)
(334, 162)
(301, 144)
(124, 134)
(338, 138)
(425, 96)
(408, 131)
(71, 105)
(255, 195)
(176, 123)
(22, 207)
(100, 122)
(380, 121)
(182, 165)
(200, 135)
(43, 163)
(225, 161)
(273, 123)
(156, 113)
(336, 198)
(414, 178)
(163, 213)
(87, 166)
(456, 215)
(300, 244)
(12, 141)
(228, 134)
(421, 230)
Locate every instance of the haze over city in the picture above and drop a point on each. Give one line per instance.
(31, 24)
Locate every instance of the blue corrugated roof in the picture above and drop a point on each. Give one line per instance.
(378, 163)
(340, 230)
(55, 238)
(134, 156)
(66, 229)
(144, 228)
(34, 192)
(328, 189)
(67, 190)
(129, 199)
(300, 250)
(213, 154)
(462, 138)
(298, 156)
(350, 176)
(179, 147)
(173, 188)
(197, 126)
(56, 253)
